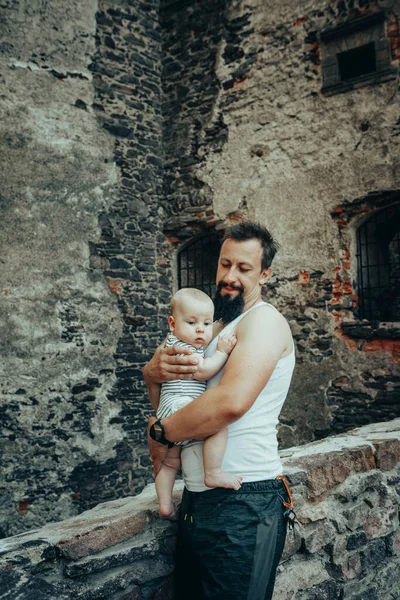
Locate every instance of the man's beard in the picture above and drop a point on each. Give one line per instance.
(227, 309)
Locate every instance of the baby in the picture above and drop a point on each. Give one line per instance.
(191, 325)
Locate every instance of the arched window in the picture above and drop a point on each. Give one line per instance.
(378, 259)
(197, 264)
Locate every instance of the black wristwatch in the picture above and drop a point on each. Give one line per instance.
(157, 433)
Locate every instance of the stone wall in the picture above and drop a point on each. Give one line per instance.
(128, 127)
(346, 544)
(81, 278)
(253, 135)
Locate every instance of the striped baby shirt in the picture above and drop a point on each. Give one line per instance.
(173, 392)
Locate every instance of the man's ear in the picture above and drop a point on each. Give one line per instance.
(171, 323)
(265, 275)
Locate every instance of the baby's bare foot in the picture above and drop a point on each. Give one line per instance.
(167, 511)
(221, 479)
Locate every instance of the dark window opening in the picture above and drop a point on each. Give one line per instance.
(197, 264)
(357, 62)
(378, 259)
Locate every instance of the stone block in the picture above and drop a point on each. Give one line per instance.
(387, 577)
(368, 504)
(361, 591)
(393, 544)
(297, 575)
(356, 540)
(309, 513)
(292, 543)
(355, 486)
(345, 565)
(145, 546)
(351, 567)
(318, 535)
(326, 471)
(373, 555)
(381, 522)
(387, 453)
(104, 526)
(328, 590)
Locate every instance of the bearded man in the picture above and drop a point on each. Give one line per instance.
(230, 541)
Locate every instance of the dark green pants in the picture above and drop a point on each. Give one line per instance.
(230, 542)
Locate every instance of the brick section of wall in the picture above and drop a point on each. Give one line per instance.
(375, 390)
(196, 37)
(192, 35)
(346, 544)
(126, 74)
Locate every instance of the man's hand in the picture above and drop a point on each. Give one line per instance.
(166, 365)
(157, 451)
(226, 343)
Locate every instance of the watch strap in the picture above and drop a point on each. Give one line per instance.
(159, 436)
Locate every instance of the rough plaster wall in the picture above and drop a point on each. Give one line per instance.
(80, 136)
(59, 320)
(289, 157)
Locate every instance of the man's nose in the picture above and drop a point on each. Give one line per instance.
(230, 276)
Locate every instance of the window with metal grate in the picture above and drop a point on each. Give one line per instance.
(378, 262)
(197, 263)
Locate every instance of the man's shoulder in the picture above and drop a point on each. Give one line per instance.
(265, 313)
(267, 322)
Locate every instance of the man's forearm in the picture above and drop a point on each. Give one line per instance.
(206, 415)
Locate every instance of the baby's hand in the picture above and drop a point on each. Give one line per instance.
(226, 343)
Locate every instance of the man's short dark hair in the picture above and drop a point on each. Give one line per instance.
(249, 230)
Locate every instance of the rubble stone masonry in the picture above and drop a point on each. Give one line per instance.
(346, 544)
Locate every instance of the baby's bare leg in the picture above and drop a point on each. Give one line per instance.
(165, 482)
(213, 454)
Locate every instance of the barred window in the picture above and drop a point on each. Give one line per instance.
(197, 263)
(378, 260)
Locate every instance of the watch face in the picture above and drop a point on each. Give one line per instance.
(157, 431)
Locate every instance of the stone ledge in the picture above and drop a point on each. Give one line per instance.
(324, 464)
(347, 508)
(95, 530)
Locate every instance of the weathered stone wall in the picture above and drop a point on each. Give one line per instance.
(128, 127)
(80, 285)
(128, 252)
(260, 139)
(346, 544)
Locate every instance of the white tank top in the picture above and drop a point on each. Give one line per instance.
(252, 449)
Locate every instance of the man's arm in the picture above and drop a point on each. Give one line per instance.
(263, 338)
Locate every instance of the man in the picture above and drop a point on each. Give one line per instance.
(230, 542)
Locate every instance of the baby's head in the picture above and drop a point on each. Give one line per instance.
(192, 313)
